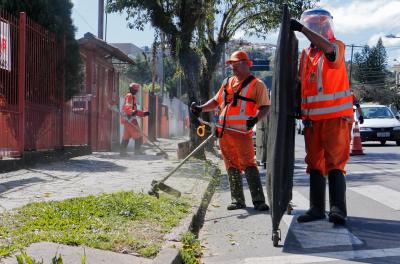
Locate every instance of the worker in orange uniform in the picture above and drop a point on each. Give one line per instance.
(244, 100)
(131, 126)
(326, 108)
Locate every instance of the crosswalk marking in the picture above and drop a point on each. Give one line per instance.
(326, 256)
(381, 194)
(318, 233)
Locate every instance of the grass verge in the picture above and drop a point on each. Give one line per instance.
(122, 222)
(191, 249)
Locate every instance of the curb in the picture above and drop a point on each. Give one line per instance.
(194, 222)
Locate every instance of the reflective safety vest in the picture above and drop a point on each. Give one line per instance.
(237, 106)
(130, 106)
(325, 90)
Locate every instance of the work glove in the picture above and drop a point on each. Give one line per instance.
(251, 122)
(133, 113)
(361, 119)
(297, 113)
(295, 25)
(146, 113)
(196, 110)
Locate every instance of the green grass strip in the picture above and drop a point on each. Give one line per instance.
(122, 222)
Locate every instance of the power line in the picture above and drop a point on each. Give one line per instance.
(84, 20)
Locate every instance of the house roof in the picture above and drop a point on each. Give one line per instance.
(90, 41)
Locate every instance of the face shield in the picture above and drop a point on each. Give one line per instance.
(319, 21)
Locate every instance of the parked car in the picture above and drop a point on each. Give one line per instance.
(380, 124)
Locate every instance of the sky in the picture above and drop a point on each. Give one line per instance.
(358, 22)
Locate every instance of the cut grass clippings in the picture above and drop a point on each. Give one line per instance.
(122, 222)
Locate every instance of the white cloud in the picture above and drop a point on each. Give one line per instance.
(356, 16)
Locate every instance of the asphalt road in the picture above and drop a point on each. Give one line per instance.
(372, 233)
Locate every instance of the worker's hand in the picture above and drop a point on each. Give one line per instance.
(146, 113)
(251, 122)
(295, 25)
(361, 119)
(196, 110)
(297, 113)
(133, 113)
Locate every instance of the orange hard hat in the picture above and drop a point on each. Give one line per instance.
(134, 86)
(239, 55)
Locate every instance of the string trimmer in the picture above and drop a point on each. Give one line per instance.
(156, 186)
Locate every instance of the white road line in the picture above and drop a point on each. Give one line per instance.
(381, 171)
(350, 173)
(299, 201)
(326, 256)
(381, 194)
(319, 233)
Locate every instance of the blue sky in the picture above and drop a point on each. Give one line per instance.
(357, 22)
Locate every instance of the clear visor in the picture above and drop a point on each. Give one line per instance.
(320, 24)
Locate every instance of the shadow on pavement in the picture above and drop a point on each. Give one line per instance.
(363, 234)
(116, 156)
(86, 166)
(374, 157)
(9, 185)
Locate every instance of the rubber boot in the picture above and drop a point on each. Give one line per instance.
(317, 198)
(256, 189)
(123, 149)
(236, 186)
(337, 197)
(138, 145)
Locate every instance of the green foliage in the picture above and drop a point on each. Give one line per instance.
(191, 249)
(374, 83)
(124, 220)
(197, 30)
(54, 15)
(26, 259)
(140, 72)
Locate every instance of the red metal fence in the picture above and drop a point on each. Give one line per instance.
(32, 79)
(10, 111)
(44, 85)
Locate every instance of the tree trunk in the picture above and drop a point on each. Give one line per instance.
(190, 63)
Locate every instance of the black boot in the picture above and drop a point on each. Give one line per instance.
(317, 198)
(138, 145)
(236, 186)
(337, 197)
(256, 189)
(123, 149)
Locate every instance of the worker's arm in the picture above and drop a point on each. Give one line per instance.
(207, 107)
(263, 111)
(317, 40)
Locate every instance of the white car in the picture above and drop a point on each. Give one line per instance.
(380, 124)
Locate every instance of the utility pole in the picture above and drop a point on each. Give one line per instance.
(351, 63)
(223, 61)
(162, 84)
(100, 22)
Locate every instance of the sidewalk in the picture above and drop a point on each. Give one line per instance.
(103, 172)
